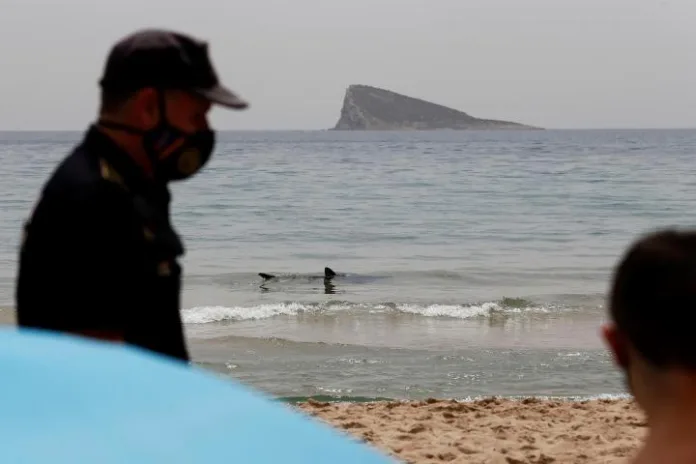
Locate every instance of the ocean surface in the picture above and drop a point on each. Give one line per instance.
(470, 263)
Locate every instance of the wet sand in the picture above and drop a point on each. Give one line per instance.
(7, 317)
(492, 431)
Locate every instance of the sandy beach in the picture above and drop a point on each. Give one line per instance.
(492, 431)
(8, 317)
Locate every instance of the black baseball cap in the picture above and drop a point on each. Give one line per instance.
(167, 60)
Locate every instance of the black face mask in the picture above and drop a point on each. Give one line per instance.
(192, 153)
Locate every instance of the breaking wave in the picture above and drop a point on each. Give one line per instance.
(210, 314)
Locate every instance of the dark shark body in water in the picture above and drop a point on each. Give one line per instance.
(328, 275)
(329, 279)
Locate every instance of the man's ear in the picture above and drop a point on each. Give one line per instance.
(617, 344)
(145, 108)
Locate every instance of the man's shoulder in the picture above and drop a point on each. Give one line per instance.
(77, 172)
(82, 177)
(78, 190)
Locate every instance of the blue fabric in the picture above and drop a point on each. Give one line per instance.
(71, 400)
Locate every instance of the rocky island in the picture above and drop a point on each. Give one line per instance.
(371, 108)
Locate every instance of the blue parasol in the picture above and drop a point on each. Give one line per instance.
(72, 400)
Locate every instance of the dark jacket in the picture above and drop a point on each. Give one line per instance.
(99, 252)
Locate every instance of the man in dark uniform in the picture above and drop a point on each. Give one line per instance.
(99, 254)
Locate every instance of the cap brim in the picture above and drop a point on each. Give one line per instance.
(220, 95)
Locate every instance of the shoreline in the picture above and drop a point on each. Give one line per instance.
(491, 430)
(344, 399)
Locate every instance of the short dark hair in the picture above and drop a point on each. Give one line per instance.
(653, 297)
(113, 100)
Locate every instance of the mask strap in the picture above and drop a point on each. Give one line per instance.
(161, 103)
(120, 126)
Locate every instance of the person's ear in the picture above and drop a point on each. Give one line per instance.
(145, 108)
(617, 344)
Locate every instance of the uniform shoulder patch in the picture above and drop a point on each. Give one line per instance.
(109, 174)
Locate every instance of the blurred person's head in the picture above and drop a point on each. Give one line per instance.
(156, 91)
(652, 309)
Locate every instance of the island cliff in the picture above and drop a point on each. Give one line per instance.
(371, 108)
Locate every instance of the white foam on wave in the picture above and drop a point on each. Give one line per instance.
(466, 311)
(456, 311)
(208, 314)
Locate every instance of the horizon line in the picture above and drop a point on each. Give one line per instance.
(397, 130)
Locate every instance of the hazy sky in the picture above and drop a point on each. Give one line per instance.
(553, 63)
